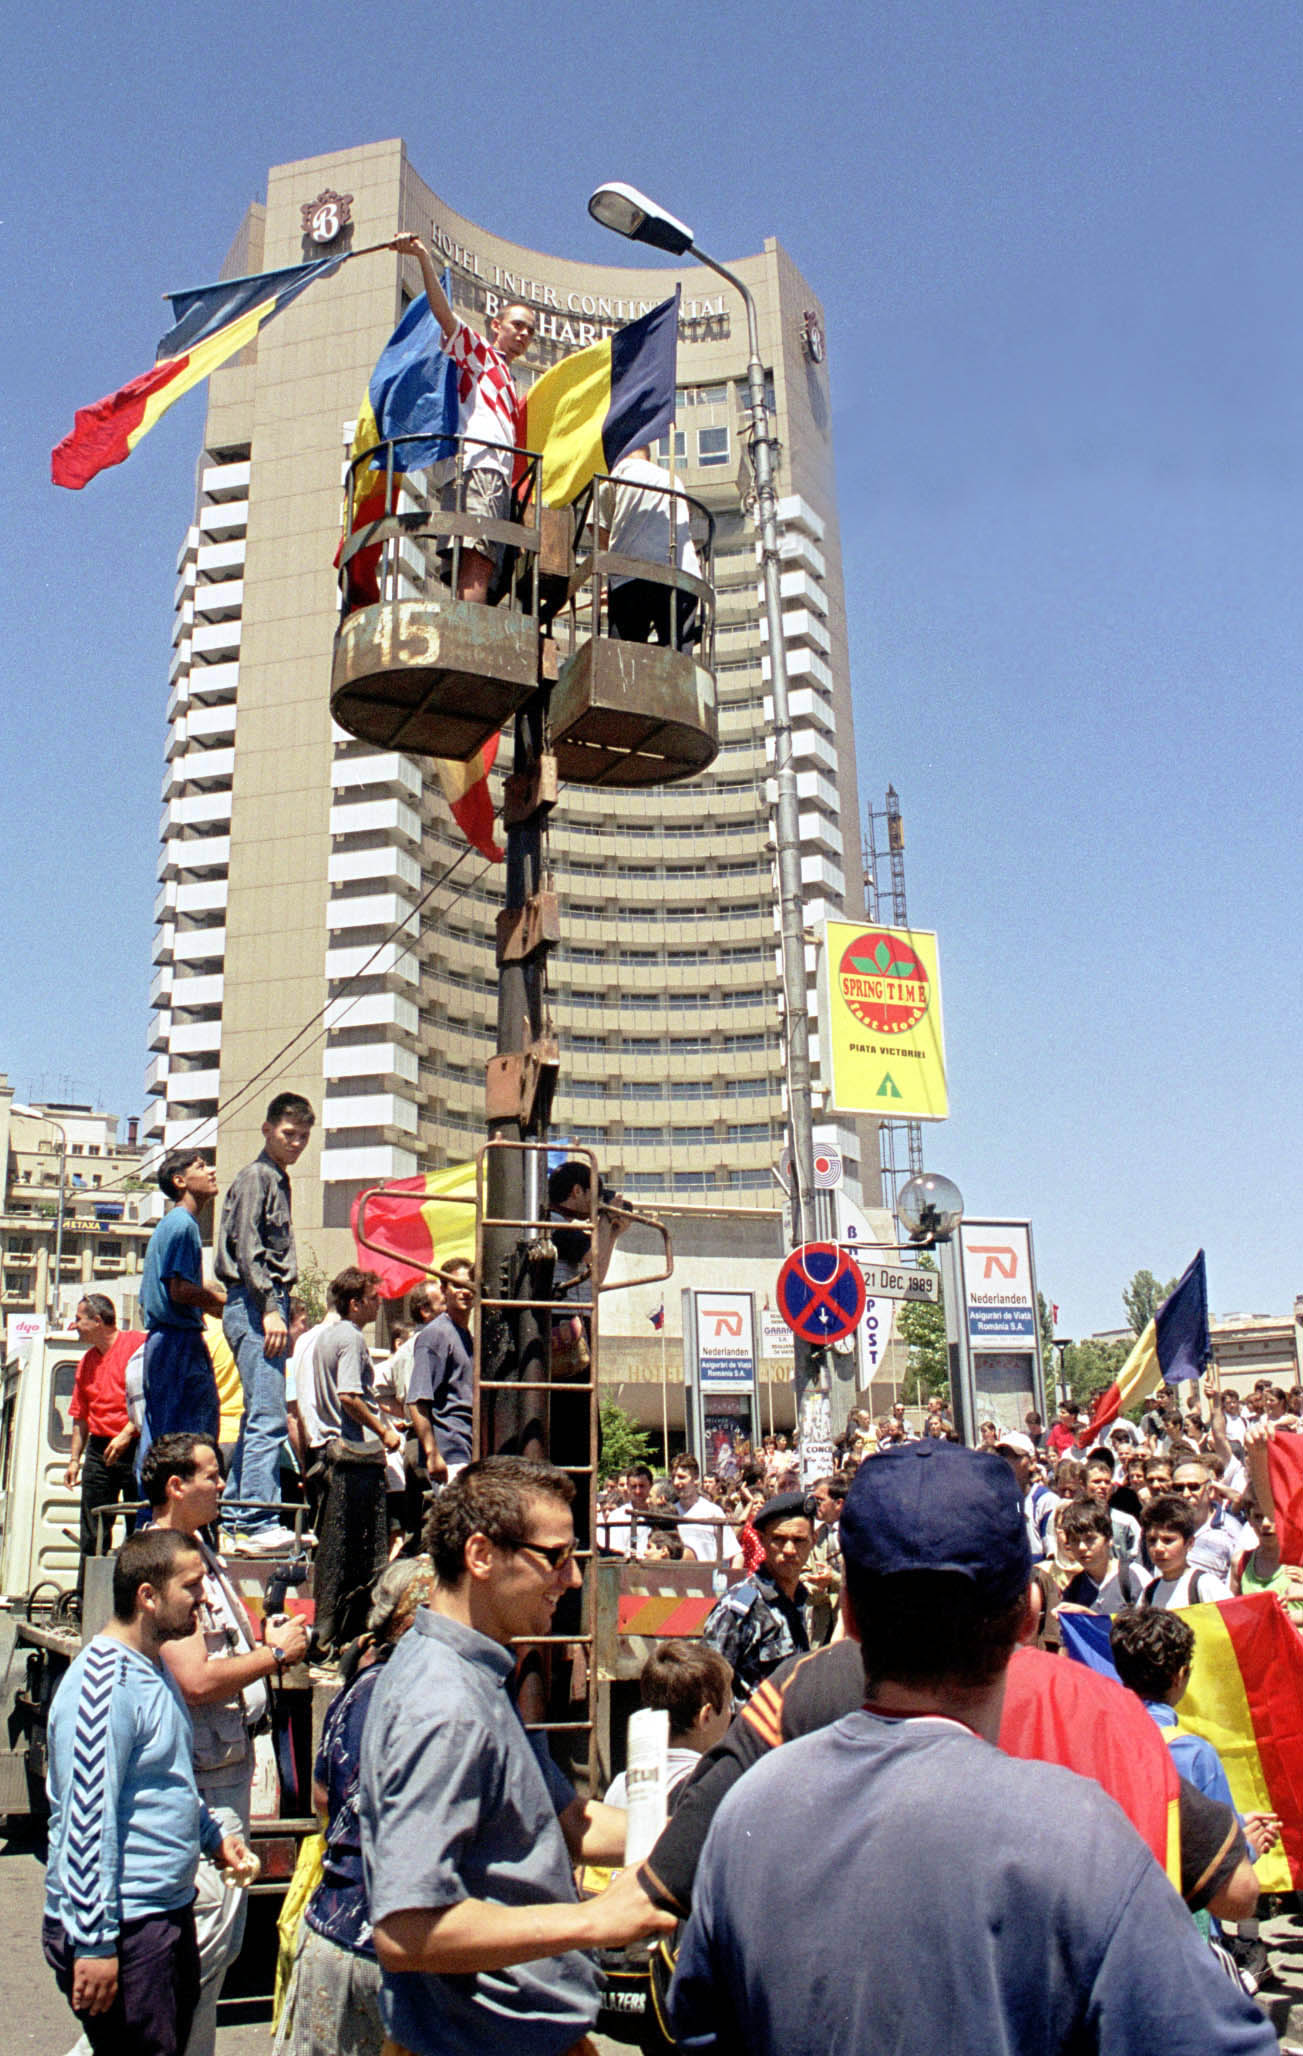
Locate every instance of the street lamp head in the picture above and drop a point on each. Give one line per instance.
(630, 213)
(930, 1208)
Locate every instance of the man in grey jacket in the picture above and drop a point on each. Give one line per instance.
(255, 1261)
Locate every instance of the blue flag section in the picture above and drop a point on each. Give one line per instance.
(202, 310)
(642, 381)
(1085, 1640)
(413, 390)
(1181, 1326)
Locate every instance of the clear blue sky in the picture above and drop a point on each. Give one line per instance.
(1058, 248)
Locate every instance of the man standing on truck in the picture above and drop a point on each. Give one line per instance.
(222, 1670)
(256, 1263)
(180, 1390)
(126, 1819)
(103, 1437)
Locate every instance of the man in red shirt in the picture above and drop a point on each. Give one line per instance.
(1062, 1438)
(103, 1439)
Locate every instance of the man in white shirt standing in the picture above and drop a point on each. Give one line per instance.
(702, 1523)
(492, 415)
(649, 519)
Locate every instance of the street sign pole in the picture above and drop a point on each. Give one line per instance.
(963, 1392)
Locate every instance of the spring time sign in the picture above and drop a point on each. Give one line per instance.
(880, 1015)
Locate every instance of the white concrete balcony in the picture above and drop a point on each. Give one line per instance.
(819, 874)
(808, 745)
(228, 520)
(390, 960)
(164, 899)
(184, 586)
(222, 600)
(186, 855)
(196, 1038)
(188, 547)
(160, 1030)
(211, 559)
(185, 615)
(197, 989)
(185, 1129)
(160, 985)
(810, 785)
(367, 817)
(371, 1060)
(380, 773)
(347, 866)
(216, 638)
(155, 1123)
(799, 589)
(367, 1110)
(205, 896)
(376, 1164)
(816, 831)
(794, 512)
(193, 1088)
(808, 708)
(795, 548)
(199, 945)
(204, 767)
(372, 910)
(164, 942)
(802, 664)
(204, 724)
(225, 482)
(375, 1010)
(213, 682)
(180, 661)
(156, 1073)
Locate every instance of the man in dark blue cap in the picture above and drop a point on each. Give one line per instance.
(761, 1622)
(921, 1844)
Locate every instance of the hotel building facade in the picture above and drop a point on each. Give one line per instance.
(290, 854)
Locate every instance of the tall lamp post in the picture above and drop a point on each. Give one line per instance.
(930, 1209)
(630, 213)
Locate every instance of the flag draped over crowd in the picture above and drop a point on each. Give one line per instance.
(419, 1224)
(1285, 1470)
(1245, 1696)
(1171, 1347)
(592, 408)
(212, 323)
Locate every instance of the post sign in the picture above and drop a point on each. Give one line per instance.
(880, 1021)
(875, 1334)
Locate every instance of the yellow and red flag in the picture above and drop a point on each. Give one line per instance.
(1285, 1469)
(419, 1223)
(212, 323)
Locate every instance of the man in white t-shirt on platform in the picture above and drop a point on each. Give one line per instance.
(492, 416)
(352, 1530)
(648, 519)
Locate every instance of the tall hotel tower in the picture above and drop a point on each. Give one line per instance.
(289, 851)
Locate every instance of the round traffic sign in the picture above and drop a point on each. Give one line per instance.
(821, 1292)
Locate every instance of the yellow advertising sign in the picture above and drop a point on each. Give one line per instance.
(880, 1015)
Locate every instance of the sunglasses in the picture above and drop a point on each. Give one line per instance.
(554, 1554)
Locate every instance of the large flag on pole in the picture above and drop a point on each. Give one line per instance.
(1245, 1696)
(1173, 1346)
(212, 323)
(420, 1224)
(592, 408)
(412, 391)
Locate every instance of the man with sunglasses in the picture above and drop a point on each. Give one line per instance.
(469, 1831)
(1214, 1546)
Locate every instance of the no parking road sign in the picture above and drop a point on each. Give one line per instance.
(821, 1292)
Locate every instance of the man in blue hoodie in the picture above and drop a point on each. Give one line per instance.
(126, 1819)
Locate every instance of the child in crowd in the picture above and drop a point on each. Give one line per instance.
(694, 1685)
(1169, 1526)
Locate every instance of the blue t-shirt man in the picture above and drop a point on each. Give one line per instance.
(179, 1382)
(175, 1251)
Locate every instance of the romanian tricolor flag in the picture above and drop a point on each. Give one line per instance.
(1285, 1469)
(592, 408)
(1172, 1347)
(1245, 1697)
(411, 392)
(419, 1223)
(466, 789)
(212, 323)
(1056, 1712)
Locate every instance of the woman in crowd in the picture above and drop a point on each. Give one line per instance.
(333, 2004)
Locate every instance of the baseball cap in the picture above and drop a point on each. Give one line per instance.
(1015, 1439)
(936, 1506)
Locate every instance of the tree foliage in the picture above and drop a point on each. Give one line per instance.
(922, 1322)
(621, 1441)
(1143, 1297)
(312, 1286)
(1089, 1368)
